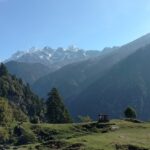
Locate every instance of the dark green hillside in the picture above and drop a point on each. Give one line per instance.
(126, 84)
(10, 113)
(19, 95)
(29, 72)
(68, 80)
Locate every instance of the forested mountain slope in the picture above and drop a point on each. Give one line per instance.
(126, 84)
(74, 78)
(19, 94)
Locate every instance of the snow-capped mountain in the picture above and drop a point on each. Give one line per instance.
(55, 58)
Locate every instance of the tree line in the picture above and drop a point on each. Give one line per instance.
(18, 103)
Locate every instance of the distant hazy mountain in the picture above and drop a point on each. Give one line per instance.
(53, 58)
(127, 83)
(27, 71)
(35, 63)
(74, 78)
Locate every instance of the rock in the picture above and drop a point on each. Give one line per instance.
(129, 147)
(76, 146)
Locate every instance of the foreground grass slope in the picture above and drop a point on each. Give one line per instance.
(117, 135)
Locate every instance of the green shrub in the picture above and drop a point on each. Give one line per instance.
(84, 119)
(130, 113)
(35, 120)
(24, 136)
(4, 135)
(5, 112)
(44, 133)
(18, 114)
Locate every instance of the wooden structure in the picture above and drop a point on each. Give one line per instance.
(103, 118)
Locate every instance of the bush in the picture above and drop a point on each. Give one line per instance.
(44, 133)
(5, 112)
(35, 120)
(84, 119)
(18, 114)
(130, 113)
(24, 136)
(4, 135)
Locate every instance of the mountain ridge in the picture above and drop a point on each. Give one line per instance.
(53, 58)
(75, 77)
(127, 83)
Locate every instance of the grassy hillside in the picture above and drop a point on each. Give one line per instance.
(117, 135)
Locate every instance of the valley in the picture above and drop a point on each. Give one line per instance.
(74, 75)
(112, 78)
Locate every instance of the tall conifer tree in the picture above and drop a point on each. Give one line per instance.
(3, 70)
(56, 110)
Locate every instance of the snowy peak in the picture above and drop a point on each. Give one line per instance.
(17, 55)
(54, 57)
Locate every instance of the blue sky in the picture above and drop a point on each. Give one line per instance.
(89, 24)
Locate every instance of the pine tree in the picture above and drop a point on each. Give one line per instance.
(3, 70)
(56, 111)
(130, 113)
